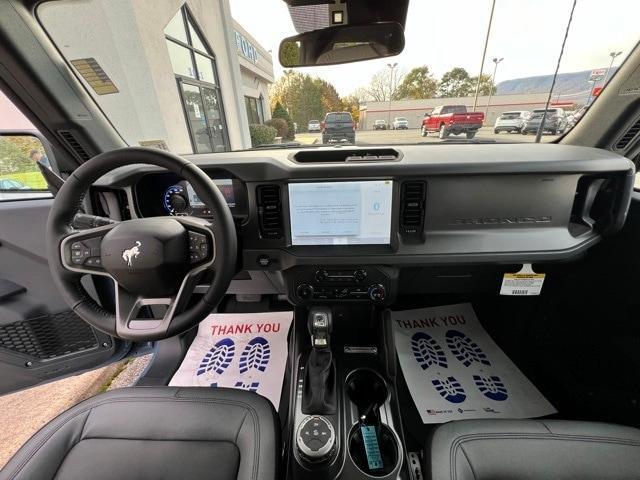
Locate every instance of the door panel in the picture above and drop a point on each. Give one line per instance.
(40, 338)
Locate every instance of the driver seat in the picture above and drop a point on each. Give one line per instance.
(156, 433)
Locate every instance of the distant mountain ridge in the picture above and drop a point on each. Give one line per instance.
(566, 83)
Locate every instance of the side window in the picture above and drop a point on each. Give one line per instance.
(20, 177)
(20, 152)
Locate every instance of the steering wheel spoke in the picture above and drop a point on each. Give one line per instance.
(80, 251)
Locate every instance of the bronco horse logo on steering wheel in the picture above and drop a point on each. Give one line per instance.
(130, 253)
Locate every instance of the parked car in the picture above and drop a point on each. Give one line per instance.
(452, 119)
(338, 127)
(555, 121)
(380, 125)
(400, 123)
(575, 118)
(511, 121)
(314, 126)
(10, 184)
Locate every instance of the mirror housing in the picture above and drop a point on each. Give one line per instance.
(342, 44)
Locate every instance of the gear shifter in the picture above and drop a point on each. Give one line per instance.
(319, 392)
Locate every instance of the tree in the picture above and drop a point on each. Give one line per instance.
(417, 84)
(456, 83)
(486, 85)
(383, 85)
(280, 112)
(304, 97)
(329, 95)
(351, 103)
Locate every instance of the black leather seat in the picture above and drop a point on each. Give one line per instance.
(532, 449)
(155, 433)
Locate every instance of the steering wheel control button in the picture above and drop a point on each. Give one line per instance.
(198, 247)
(315, 438)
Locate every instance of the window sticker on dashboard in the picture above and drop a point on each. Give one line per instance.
(526, 282)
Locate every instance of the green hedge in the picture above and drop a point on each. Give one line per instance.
(280, 125)
(261, 134)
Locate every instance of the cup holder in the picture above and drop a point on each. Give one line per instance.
(367, 391)
(386, 444)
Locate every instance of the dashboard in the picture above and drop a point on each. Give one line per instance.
(368, 223)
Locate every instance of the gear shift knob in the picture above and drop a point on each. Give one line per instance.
(320, 326)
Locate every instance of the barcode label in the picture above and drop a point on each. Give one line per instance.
(523, 283)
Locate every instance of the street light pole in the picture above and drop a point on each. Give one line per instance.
(496, 61)
(613, 56)
(592, 84)
(392, 66)
(484, 54)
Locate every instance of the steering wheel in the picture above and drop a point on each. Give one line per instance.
(154, 262)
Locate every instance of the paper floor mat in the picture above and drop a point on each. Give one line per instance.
(244, 351)
(455, 371)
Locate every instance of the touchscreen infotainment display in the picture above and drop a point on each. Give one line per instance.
(341, 213)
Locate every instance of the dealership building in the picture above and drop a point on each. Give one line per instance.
(176, 74)
(414, 110)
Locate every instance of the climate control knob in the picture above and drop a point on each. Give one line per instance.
(304, 291)
(377, 292)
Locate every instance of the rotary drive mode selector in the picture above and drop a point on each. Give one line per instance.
(315, 438)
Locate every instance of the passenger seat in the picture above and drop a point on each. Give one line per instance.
(532, 449)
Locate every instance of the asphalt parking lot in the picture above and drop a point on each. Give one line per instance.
(391, 137)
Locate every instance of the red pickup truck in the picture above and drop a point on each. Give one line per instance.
(452, 119)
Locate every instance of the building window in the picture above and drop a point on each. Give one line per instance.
(195, 68)
(254, 109)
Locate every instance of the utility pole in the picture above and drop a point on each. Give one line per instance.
(613, 56)
(392, 67)
(496, 61)
(484, 54)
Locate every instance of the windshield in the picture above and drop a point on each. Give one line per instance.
(189, 79)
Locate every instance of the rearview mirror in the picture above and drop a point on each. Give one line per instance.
(342, 44)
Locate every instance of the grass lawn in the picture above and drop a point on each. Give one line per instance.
(34, 180)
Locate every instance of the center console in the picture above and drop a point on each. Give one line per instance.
(345, 419)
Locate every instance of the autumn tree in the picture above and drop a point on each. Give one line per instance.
(304, 97)
(417, 84)
(486, 85)
(456, 83)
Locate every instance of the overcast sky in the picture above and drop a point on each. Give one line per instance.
(444, 34)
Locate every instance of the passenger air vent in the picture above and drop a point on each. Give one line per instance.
(412, 206)
(73, 144)
(342, 155)
(270, 211)
(628, 136)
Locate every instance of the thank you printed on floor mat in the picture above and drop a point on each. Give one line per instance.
(244, 351)
(455, 371)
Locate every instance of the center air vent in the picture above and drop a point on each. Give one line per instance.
(412, 206)
(270, 211)
(342, 155)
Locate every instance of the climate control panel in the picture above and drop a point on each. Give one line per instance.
(318, 284)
